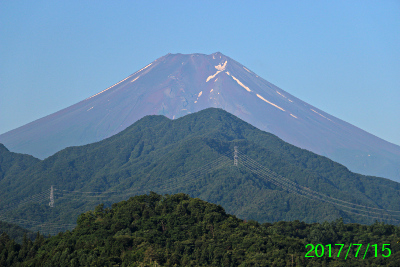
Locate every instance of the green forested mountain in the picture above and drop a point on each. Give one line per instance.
(15, 232)
(14, 163)
(272, 181)
(176, 230)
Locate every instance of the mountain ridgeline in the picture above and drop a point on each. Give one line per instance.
(15, 232)
(14, 163)
(272, 180)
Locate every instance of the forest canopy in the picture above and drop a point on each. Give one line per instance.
(177, 230)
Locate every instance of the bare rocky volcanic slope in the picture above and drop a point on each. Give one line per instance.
(177, 84)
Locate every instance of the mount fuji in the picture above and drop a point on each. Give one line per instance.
(177, 84)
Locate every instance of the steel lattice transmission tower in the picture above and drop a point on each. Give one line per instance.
(51, 204)
(235, 156)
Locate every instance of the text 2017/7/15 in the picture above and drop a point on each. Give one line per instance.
(319, 250)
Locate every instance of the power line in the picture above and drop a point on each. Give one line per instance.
(224, 160)
(300, 190)
(314, 192)
(48, 227)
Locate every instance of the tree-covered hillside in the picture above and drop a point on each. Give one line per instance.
(176, 230)
(15, 232)
(14, 163)
(273, 180)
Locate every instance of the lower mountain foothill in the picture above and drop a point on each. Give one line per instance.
(177, 230)
(167, 189)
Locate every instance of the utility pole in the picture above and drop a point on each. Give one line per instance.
(235, 156)
(51, 204)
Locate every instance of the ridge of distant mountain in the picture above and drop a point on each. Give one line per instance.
(273, 180)
(177, 84)
(15, 232)
(12, 163)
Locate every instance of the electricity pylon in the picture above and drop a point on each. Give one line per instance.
(51, 204)
(235, 156)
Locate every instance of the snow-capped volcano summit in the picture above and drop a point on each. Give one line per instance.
(177, 84)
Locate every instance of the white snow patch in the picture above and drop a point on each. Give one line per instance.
(213, 57)
(216, 80)
(293, 115)
(212, 76)
(220, 67)
(89, 109)
(143, 68)
(247, 70)
(241, 84)
(195, 101)
(321, 115)
(211, 90)
(201, 92)
(228, 73)
(135, 79)
(290, 100)
(281, 94)
(109, 87)
(270, 102)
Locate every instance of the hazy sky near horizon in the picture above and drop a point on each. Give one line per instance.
(343, 57)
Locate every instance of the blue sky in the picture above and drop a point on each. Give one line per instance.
(341, 56)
